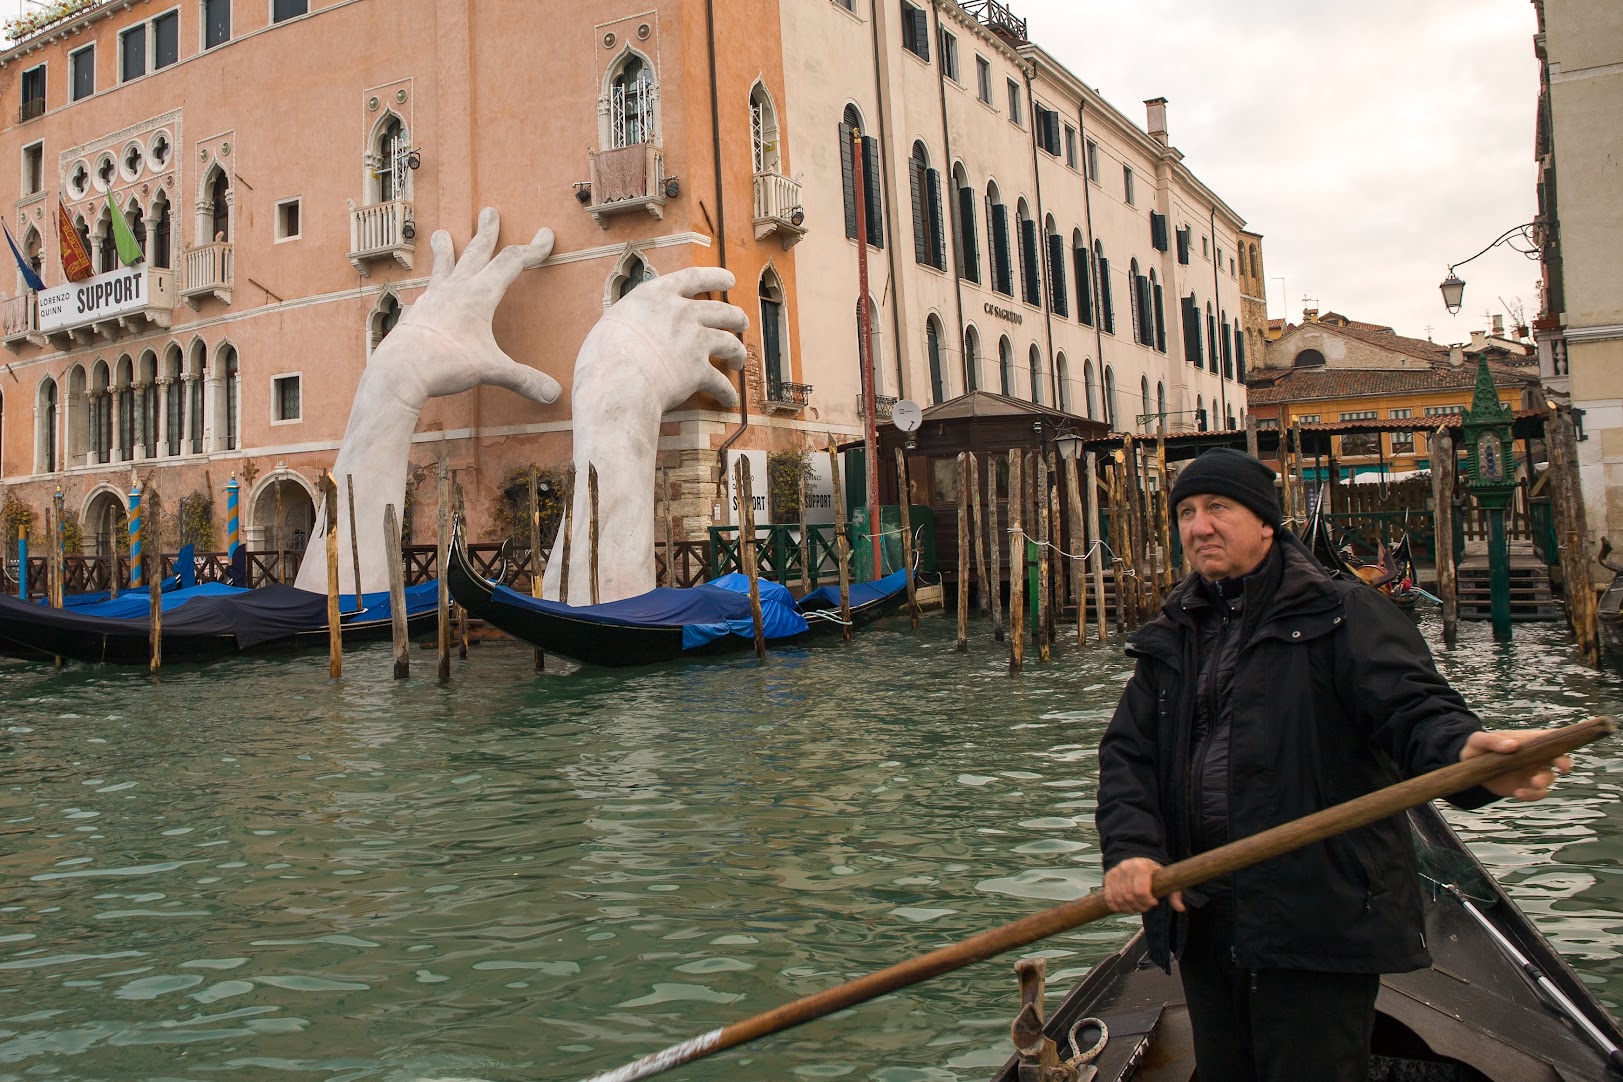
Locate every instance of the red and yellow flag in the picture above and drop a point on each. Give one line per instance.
(75, 260)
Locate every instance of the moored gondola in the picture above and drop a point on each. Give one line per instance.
(1497, 1004)
(200, 624)
(665, 623)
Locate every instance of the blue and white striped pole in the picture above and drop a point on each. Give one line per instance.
(135, 535)
(231, 530)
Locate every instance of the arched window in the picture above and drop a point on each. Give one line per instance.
(1228, 344)
(631, 102)
(136, 218)
(1161, 406)
(195, 369)
(388, 161)
(1107, 307)
(33, 255)
(1031, 284)
(938, 371)
(231, 381)
(1254, 271)
(1239, 352)
(46, 423)
(174, 402)
(929, 236)
(124, 397)
(1090, 389)
(385, 316)
(107, 247)
(147, 375)
(765, 148)
(1082, 261)
(78, 416)
(1059, 301)
(1200, 413)
(997, 229)
(1308, 358)
(968, 236)
(1034, 363)
(1112, 412)
(1144, 399)
(850, 125)
(1062, 376)
(770, 295)
(81, 227)
(162, 246)
(1212, 347)
(972, 360)
(1158, 303)
(632, 273)
(219, 206)
(101, 413)
(1228, 415)
(1005, 367)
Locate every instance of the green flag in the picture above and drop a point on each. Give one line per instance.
(129, 252)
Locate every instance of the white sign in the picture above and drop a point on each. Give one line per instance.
(103, 296)
(819, 489)
(758, 486)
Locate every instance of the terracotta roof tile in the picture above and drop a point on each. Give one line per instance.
(1313, 384)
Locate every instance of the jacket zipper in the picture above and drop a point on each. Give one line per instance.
(1197, 767)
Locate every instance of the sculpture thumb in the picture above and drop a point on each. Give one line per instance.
(716, 384)
(532, 383)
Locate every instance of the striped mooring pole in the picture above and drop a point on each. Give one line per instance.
(231, 530)
(135, 535)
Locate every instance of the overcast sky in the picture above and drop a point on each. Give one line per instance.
(1371, 143)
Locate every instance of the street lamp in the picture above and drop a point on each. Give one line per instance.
(1453, 287)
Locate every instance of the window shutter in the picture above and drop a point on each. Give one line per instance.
(1002, 272)
(1158, 231)
(1184, 242)
(848, 179)
(1191, 331)
(1146, 328)
(969, 238)
(1107, 307)
(1084, 285)
(1228, 351)
(915, 183)
(1160, 320)
(1056, 274)
(938, 231)
(922, 20)
(1030, 278)
(1211, 343)
(870, 175)
(1239, 357)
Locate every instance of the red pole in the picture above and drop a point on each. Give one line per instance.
(870, 423)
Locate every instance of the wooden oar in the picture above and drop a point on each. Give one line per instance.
(1186, 873)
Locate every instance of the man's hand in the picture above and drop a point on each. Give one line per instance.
(658, 340)
(1529, 783)
(1127, 887)
(444, 344)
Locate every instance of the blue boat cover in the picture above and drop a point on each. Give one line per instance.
(137, 604)
(375, 606)
(704, 613)
(251, 616)
(828, 597)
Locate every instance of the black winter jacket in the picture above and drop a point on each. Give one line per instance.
(1333, 694)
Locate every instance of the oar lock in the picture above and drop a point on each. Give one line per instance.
(1039, 1056)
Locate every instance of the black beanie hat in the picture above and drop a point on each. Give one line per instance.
(1223, 471)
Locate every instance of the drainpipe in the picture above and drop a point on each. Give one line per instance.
(1029, 70)
(721, 234)
(946, 142)
(1217, 337)
(1087, 213)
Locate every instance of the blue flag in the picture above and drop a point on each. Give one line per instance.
(29, 276)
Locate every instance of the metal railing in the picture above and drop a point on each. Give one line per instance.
(781, 394)
(208, 268)
(31, 109)
(882, 407)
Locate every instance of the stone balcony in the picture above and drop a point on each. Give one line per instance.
(785, 397)
(381, 231)
(626, 180)
(778, 208)
(19, 322)
(207, 271)
(107, 306)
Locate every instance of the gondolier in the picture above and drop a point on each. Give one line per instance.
(1266, 690)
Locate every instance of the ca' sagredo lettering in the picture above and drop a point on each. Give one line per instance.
(105, 294)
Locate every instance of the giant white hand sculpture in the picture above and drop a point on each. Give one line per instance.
(442, 346)
(648, 354)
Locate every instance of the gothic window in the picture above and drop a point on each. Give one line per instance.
(46, 420)
(631, 103)
(1062, 375)
(767, 151)
(231, 389)
(1034, 362)
(1090, 390)
(161, 233)
(972, 360)
(389, 160)
(218, 221)
(174, 403)
(938, 372)
(124, 398)
(772, 329)
(383, 319)
(1005, 359)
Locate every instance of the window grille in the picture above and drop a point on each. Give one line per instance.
(631, 106)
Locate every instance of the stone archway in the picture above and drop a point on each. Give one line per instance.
(105, 525)
(284, 525)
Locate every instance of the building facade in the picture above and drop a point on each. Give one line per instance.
(1024, 236)
(1579, 328)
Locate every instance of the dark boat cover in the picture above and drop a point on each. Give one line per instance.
(251, 616)
(704, 613)
(862, 593)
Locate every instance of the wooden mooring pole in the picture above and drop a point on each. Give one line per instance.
(904, 497)
(994, 546)
(964, 560)
(537, 575)
(983, 586)
(354, 539)
(746, 548)
(1567, 505)
(566, 535)
(1442, 489)
(1096, 557)
(1079, 572)
(154, 576)
(397, 593)
(443, 498)
(1056, 566)
(805, 543)
(1040, 499)
(461, 507)
(1017, 564)
(335, 632)
(842, 542)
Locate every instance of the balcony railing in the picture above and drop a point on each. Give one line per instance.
(31, 108)
(627, 179)
(149, 303)
(997, 18)
(778, 208)
(882, 407)
(787, 397)
(381, 231)
(19, 321)
(207, 271)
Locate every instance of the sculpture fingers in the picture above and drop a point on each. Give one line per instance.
(714, 382)
(444, 257)
(476, 256)
(691, 281)
(723, 347)
(721, 316)
(521, 379)
(515, 259)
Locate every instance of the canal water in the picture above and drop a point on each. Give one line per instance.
(248, 871)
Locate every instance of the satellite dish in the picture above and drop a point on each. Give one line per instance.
(906, 415)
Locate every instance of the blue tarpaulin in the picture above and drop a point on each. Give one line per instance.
(826, 597)
(704, 613)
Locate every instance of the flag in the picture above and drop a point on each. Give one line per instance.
(29, 275)
(129, 249)
(75, 260)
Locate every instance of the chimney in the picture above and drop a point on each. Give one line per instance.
(1456, 356)
(1156, 111)
(1479, 341)
(1498, 326)
(1310, 315)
